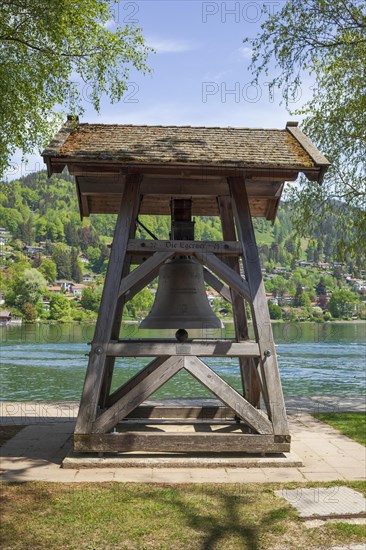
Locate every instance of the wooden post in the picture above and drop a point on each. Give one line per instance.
(103, 330)
(247, 366)
(261, 319)
(116, 328)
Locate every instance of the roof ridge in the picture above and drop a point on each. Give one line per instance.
(101, 124)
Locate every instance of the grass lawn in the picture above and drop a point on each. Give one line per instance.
(351, 424)
(139, 516)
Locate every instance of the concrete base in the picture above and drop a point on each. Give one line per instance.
(78, 461)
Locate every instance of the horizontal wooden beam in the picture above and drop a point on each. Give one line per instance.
(84, 167)
(193, 187)
(169, 412)
(184, 248)
(173, 442)
(217, 348)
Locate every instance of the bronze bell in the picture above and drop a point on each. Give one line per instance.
(181, 300)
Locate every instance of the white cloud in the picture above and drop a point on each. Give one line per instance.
(245, 52)
(215, 77)
(162, 45)
(109, 24)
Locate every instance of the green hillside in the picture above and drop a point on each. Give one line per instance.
(42, 232)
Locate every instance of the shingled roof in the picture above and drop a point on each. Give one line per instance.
(184, 161)
(237, 147)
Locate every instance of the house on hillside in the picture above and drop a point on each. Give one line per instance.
(272, 298)
(56, 289)
(83, 258)
(32, 251)
(66, 286)
(77, 289)
(87, 278)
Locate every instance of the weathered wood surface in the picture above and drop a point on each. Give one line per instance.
(247, 367)
(184, 248)
(103, 330)
(261, 320)
(136, 379)
(216, 284)
(216, 348)
(144, 273)
(116, 328)
(179, 443)
(179, 186)
(138, 392)
(225, 273)
(207, 412)
(102, 168)
(160, 205)
(251, 416)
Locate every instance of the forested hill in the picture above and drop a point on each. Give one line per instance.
(53, 265)
(37, 209)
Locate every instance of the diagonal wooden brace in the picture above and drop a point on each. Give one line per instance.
(137, 394)
(142, 275)
(251, 416)
(225, 273)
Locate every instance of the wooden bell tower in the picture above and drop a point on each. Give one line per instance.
(227, 172)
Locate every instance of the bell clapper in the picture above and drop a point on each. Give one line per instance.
(181, 335)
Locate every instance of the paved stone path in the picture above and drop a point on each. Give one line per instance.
(37, 451)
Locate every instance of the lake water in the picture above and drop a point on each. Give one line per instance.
(48, 362)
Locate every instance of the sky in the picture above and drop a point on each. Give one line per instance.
(199, 75)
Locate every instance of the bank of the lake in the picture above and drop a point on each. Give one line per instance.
(47, 362)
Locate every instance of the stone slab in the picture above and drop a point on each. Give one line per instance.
(324, 502)
(80, 461)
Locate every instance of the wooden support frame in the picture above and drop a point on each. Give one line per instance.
(155, 348)
(103, 330)
(226, 273)
(142, 275)
(116, 328)
(217, 285)
(228, 395)
(262, 323)
(248, 369)
(183, 443)
(102, 411)
(185, 247)
(141, 390)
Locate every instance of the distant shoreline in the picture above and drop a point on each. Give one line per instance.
(225, 321)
